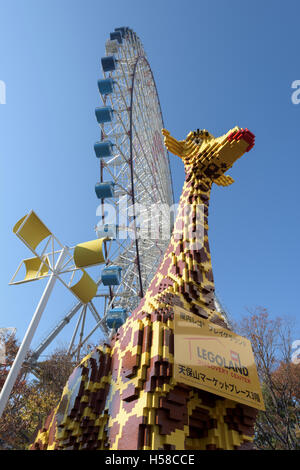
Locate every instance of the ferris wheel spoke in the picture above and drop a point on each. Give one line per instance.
(153, 160)
(146, 159)
(151, 170)
(122, 248)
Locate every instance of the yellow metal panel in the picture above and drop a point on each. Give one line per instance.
(85, 288)
(89, 253)
(33, 231)
(32, 266)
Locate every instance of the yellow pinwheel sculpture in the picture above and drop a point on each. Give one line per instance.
(32, 231)
(54, 260)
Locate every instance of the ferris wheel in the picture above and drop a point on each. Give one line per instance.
(134, 170)
(134, 181)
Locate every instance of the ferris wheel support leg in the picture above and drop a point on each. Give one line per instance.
(17, 364)
(75, 332)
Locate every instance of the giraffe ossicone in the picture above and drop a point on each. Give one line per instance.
(123, 395)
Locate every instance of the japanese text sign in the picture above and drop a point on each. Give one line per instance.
(215, 359)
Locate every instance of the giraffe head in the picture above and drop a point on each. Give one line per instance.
(209, 156)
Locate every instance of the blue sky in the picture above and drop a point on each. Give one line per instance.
(216, 64)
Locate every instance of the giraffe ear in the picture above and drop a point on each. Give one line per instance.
(224, 180)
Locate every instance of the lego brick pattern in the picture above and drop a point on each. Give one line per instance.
(123, 395)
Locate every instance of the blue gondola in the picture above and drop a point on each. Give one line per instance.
(106, 86)
(111, 276)
(104, 114)
(116, 317)
(103, 149)
(107, 230)
(105, 189)
(108, 63)
(123, 30)
(116, 35)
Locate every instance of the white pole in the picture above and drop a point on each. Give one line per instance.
(15, 369)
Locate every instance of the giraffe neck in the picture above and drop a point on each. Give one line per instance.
(185, 272)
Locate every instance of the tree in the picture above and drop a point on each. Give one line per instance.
(12, 432)
(36, 392)
(276, 428)
(52, 374)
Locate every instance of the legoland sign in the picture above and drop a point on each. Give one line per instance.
(223, 362)
(214, 359)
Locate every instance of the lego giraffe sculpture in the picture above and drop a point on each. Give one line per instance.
(123, 395)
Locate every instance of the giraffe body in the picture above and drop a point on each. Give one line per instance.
(123, 395)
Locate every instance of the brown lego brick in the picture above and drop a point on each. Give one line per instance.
(130, 438)
(168, 425)
(125, 338)
(52, 431)
(113, 432)
(131, 393)
(114, 407)
(130, 364)
(147, 339)
(197, 310)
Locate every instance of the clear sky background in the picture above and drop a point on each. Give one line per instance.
(217, 64)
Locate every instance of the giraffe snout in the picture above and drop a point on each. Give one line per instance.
(243, 134)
